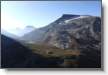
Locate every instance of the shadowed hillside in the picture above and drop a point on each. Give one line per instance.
(15, 55)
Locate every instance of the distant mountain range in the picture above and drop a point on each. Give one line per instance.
(17, 33)
(69, 31)
(20, 32)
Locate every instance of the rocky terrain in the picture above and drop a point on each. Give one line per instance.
(69, 31)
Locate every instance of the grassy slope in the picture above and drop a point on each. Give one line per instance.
(84, 60)
(49, 51)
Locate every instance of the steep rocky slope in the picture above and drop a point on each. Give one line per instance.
(69, 31)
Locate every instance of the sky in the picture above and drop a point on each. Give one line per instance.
(19, 14)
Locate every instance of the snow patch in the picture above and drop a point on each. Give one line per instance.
(67, 21)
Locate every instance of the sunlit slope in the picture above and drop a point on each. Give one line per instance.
(51, 51)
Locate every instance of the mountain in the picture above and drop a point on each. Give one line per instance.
(27, 29)
(63, 37)
(69, 31)
(20, 32)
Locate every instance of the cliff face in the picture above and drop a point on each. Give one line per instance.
(69, 31)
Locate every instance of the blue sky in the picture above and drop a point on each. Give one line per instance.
(18, 14)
